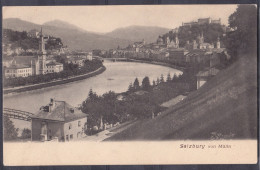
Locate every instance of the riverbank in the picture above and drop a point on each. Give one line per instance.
(156, 63)
(9, 91)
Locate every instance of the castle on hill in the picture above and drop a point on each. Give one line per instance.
(202, 21)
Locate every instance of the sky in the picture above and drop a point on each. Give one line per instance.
(104, 19)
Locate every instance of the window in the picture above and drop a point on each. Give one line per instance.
(79, 123)
(70, 126)
(67, 137)
(71, 136)
(79, 135)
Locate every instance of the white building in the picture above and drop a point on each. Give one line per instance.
(53, 67)
(58, 121)
(77, 60)
(18, 70)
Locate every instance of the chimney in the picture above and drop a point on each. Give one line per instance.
(51, 105)
(71, 110)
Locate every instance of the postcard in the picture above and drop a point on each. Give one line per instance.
(129, 85)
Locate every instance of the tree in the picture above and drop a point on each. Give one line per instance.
(136, 84)
(130, 87)
(26, 134)
(154, 83)
(146, 84)
(242, 39)
(161, 79)
(10, 132)
(174, 78)
(90, 93)
(168, 77)
(158, 81)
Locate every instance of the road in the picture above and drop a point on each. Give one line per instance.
(109, 132)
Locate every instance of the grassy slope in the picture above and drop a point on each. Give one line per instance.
(227, 105)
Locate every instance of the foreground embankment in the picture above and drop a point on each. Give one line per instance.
(53, 83)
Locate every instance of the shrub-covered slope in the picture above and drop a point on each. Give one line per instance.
(224, 108)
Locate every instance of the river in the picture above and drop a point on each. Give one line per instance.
(117, 78)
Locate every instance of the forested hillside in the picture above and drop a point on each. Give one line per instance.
(185, 33)
(21, 39)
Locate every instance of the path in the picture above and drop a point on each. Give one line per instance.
(109, 132)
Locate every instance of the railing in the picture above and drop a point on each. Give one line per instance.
(17, 114)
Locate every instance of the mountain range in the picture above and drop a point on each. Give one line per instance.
(79, 39)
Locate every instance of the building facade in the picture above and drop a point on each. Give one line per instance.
(77, 60)
(54, 67)
(16, 70)
(58, 121)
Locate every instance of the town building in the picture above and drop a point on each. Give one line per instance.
(37, 64)
(177, 56)
(218, 43)
(89, 57)
(58, 121)
(53, 67)
(200, 44)
(159, 41)
(204, 76)
(172, 43)
(33, 33)
(18, 70)
(77, 60)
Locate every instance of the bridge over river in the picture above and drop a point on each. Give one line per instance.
(17, 114)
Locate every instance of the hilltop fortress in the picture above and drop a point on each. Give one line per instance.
(202, 21)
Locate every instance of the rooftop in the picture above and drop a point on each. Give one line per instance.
(59, 111)
(53, 63)
(207, 73)
(18, 66)
(24, 60)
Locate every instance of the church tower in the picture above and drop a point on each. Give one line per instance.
(41, 69)
(177, 41)
(218, 43)
(168, 41)
(201, 38)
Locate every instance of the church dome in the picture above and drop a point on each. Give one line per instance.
(160, 40)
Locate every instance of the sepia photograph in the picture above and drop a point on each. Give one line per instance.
(179, 76)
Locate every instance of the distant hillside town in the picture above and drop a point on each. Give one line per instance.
(203, 48)
(22, 59)
(196, 43)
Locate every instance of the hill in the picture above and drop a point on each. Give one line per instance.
(63, 24)
(22, 40)
(225, 107)
(137, 33)
(73, 37)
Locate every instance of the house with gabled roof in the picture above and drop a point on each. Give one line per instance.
(58, 121)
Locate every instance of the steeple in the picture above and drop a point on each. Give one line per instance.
(41, 43)
(202, 37)
(218, 42)
(177, 41)
(41, 63)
